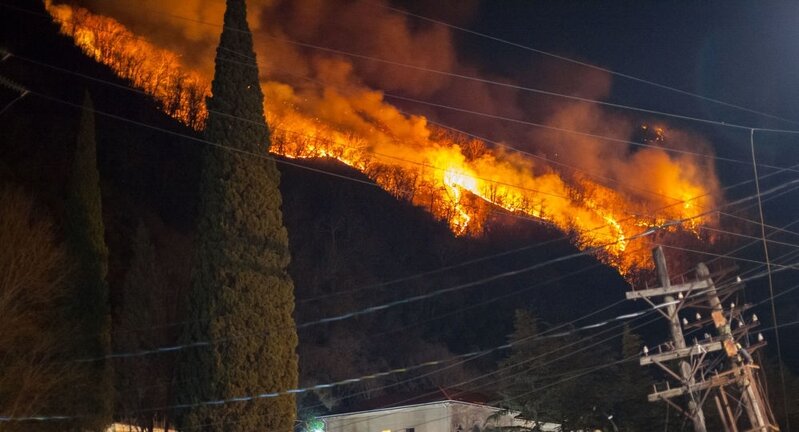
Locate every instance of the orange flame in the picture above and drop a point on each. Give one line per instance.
(459, 180)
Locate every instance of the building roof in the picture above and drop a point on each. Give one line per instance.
(440, 394)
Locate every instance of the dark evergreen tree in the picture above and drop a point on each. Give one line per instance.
(85, 235)
(242, 298)
(141, 324)
(633, 411)
(557, 379)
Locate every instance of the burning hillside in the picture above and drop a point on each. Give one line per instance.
(331, 113)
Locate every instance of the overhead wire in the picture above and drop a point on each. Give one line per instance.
(170, 348)
(534, 358)
(511, 185)
(368, 310)
(581, 374)
(5, 82)
(463, 358)
(589, 134)
(764, 240)
(567, 324)
(536, 156)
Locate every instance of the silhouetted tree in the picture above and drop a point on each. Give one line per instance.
(142, 382)
(242, 298)
(85, 235)
(633, 411)
(560, 379)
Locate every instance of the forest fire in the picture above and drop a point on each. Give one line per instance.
(460, 180)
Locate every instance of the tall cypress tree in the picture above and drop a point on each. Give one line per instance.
(141, 324)
(85, 235)
(242, 298)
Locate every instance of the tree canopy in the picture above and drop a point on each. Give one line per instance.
(242, 298)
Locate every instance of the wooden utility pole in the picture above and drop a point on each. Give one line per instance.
(753, 401)
(694, 405)
(733, 379)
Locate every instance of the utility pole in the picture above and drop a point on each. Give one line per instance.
(694, 406)
(717, 365)
(753, 400)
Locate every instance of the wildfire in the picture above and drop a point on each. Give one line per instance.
(458, 179)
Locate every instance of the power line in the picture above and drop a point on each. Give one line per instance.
(405, 160)
(476, 79)
(494, 372)
(533, 155)
(626, 316)
(597, 324)
(5, 82)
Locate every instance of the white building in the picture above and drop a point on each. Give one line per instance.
(438, 411)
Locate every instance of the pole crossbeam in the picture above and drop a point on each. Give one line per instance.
(679, 353)
(664, 291)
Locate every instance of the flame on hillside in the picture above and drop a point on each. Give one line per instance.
(458, 179)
